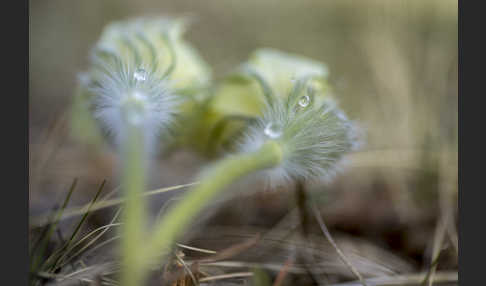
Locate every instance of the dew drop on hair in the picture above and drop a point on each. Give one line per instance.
(304, 101)
(273, 130)
(140, 75)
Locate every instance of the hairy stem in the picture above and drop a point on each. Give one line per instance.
(212, 183)
(133, 182)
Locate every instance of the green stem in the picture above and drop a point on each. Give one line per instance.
(133, 182)
(212, 183)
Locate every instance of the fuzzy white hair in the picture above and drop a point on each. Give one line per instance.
(314, 138)
(128, 94)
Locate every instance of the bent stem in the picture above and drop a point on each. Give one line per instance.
(212, 183)
(133, 182)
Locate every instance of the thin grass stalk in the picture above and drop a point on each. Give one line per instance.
(45, 240)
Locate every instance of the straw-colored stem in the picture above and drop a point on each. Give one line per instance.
(211, 184)
(133, 182)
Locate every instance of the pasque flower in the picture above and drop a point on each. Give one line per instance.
(240, 96)
(142, 69)
(127, 94)
(313, 135)
(296, 138)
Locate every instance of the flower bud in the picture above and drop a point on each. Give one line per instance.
(157, 45)
(137, 68)
(240, 98)
(314, 135)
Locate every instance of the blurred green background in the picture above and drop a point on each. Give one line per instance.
(393, 66)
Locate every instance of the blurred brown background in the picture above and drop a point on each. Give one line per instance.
(393, 66)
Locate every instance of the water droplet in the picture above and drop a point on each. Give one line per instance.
(273, 130)
(140, 75)
(304, 101)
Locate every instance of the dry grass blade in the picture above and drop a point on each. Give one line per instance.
(333, 243)
(233, 250)
(445, 223)
(187, 268)
(431, 270)
(85, 273)
(42, 220)
(61, 255)
(409, 280)
(283, 272)
(101, 244)
(103, 230)
(273, 250)
(439, 237)
(196, 249)
(45, 240)
(276, 267)
(226, 276)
